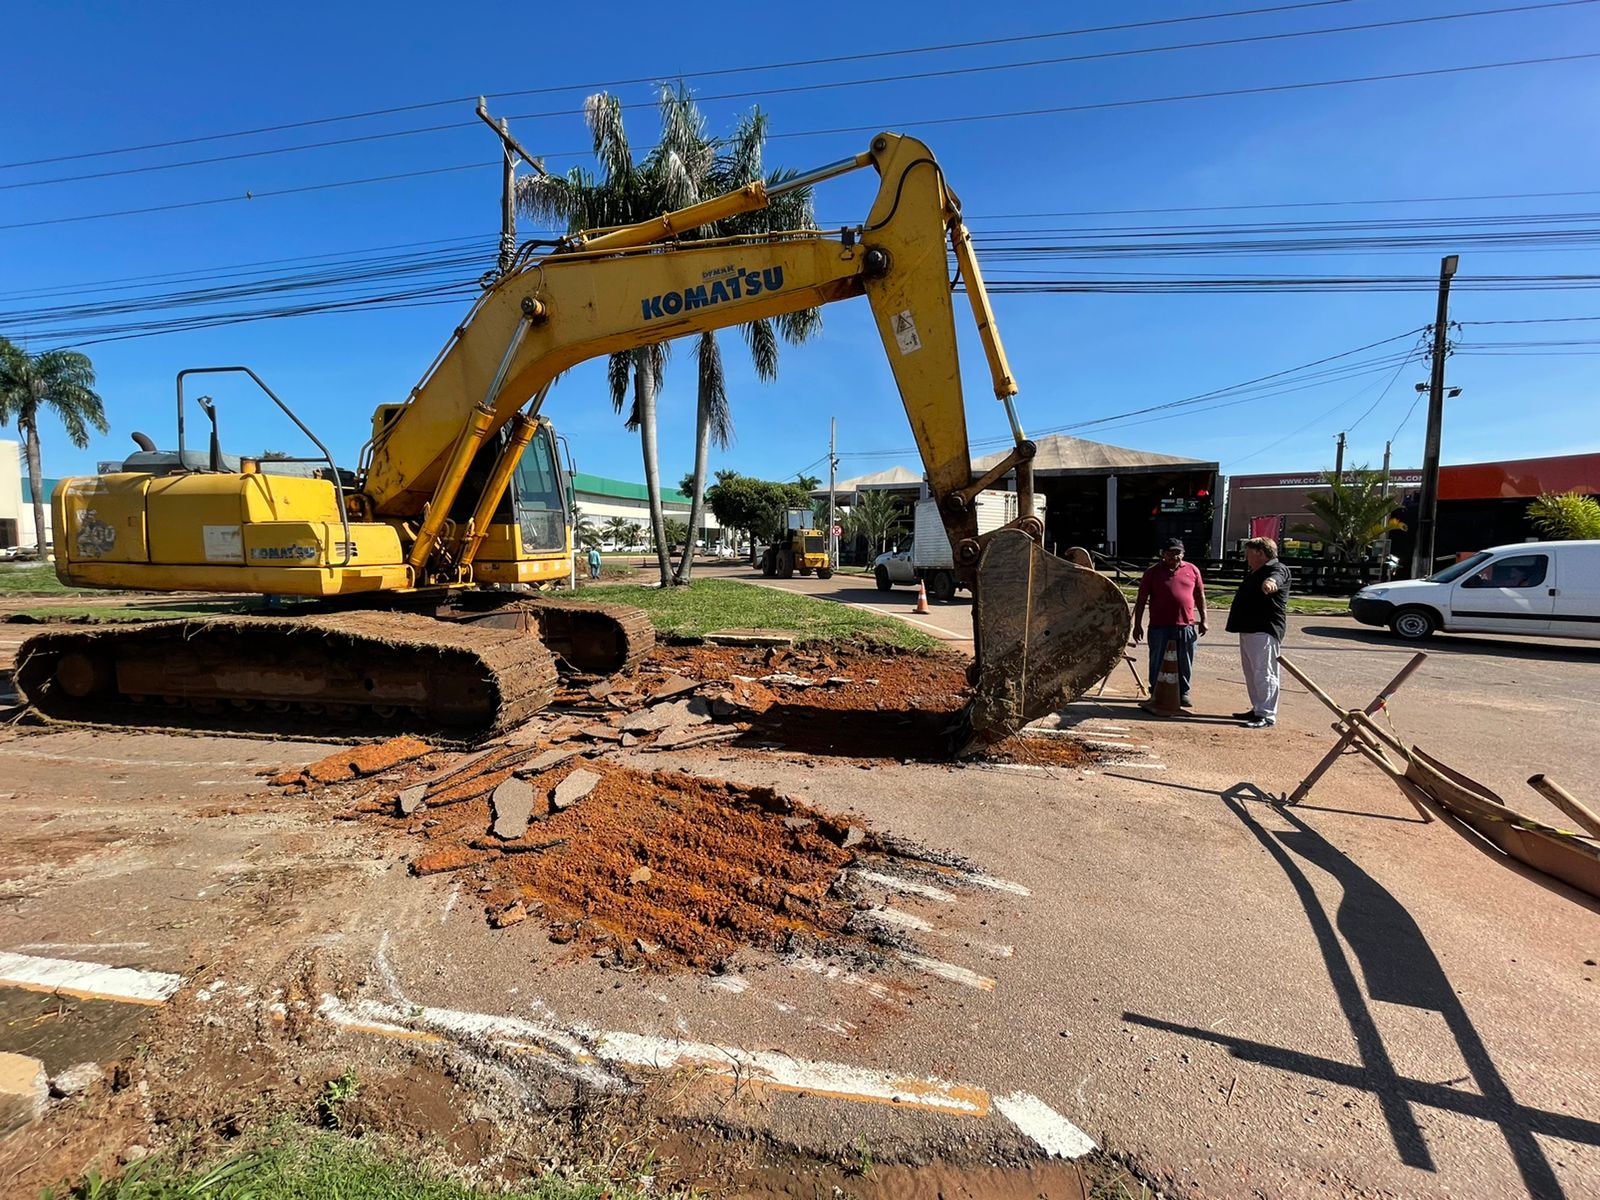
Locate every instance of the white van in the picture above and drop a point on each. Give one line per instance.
(1549, 588)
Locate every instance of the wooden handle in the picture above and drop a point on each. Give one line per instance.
(1566, 802)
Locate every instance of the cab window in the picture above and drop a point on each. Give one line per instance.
(1513, 571)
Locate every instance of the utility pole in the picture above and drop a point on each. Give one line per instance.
(1428, 509)
(1383, 552)
(512, 149)
(1338, 461)
(833, 467)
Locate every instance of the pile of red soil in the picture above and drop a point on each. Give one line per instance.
(660, 868)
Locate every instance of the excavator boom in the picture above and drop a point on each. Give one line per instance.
(1045, 629)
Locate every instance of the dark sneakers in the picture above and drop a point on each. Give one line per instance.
(1248, 714)
(1186, 702)
(1256, 722)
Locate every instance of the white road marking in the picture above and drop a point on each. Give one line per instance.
(899, 919)
(82, 947)
(587, 1050)
(895, 884)
(90, 981)
(590, 1047)
(949, 971)
(995, 883)
(455, 894)
(1059, 1137)
(1133, 764)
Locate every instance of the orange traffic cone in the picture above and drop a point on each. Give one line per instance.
(922, 597)
(1164, 693)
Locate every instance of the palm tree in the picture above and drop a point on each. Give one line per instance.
(1566, 516)
(624, 193)
(874, 516)
(723, 168)
(1352, 513)
(620, 531)
(61, 381)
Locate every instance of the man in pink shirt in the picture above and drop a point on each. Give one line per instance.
(1176, 596)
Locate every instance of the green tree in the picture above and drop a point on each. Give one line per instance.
(625, 192)
(1566, 516)
(755, 506)
(875, 516)
(60, 381)
(697, 168)
(1351, 513)
(273, 455)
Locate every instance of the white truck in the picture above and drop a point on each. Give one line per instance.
(930, 557)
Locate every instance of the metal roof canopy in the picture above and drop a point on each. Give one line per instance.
(1062, 455)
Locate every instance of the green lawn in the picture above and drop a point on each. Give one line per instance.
(38, 579)
(707, 605)
(292, 1163)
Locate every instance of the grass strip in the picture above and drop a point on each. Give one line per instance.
(291, 1163)
(707, 605)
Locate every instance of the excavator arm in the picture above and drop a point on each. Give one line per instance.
(1045, 630)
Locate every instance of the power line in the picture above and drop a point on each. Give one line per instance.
(832, 85)
(1324, 415)
(706, 74)
(968, 119)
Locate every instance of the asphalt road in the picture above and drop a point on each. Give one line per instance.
(1243, 1000)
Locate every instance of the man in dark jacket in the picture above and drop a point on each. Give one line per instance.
(1260, 616)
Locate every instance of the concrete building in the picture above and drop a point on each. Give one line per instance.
(16, 500)
(600, 499)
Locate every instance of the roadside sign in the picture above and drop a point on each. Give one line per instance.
(838, 530)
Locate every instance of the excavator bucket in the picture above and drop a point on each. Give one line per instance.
(1046, 632)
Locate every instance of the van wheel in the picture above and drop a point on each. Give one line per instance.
(942, 587)
(881, 574)
(1413, 624)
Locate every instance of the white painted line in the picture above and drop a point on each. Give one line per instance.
(837, 974)
(1058, 1137)
(1134, 764)
(995, 883)
(895, 884)
(90, 981)
(899, 918)
(590, 1047)
(949, 971)
(773, 1069)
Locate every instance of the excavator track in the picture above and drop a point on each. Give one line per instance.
(355, 673)
(587, 639)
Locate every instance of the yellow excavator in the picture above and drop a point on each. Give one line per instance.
(460, 486)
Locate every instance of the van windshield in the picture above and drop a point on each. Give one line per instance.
(1456, 570)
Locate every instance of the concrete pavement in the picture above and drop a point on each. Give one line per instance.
(1240, 999)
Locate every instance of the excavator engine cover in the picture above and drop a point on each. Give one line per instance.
(1046, 632)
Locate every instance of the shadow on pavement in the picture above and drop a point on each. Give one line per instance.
(1399, 967)
(1372, 638)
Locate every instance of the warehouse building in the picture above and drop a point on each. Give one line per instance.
(600, 499)
(16, 500)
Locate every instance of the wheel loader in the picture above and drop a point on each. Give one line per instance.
(797, 549)
(405, 560)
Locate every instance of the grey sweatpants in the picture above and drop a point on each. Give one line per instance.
(1258, 652)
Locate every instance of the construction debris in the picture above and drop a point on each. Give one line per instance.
(572, 789)
(513, 808)
(354, 762)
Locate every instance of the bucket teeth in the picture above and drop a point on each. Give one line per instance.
(1046, 631)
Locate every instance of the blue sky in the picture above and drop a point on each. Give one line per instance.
(98, 76)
